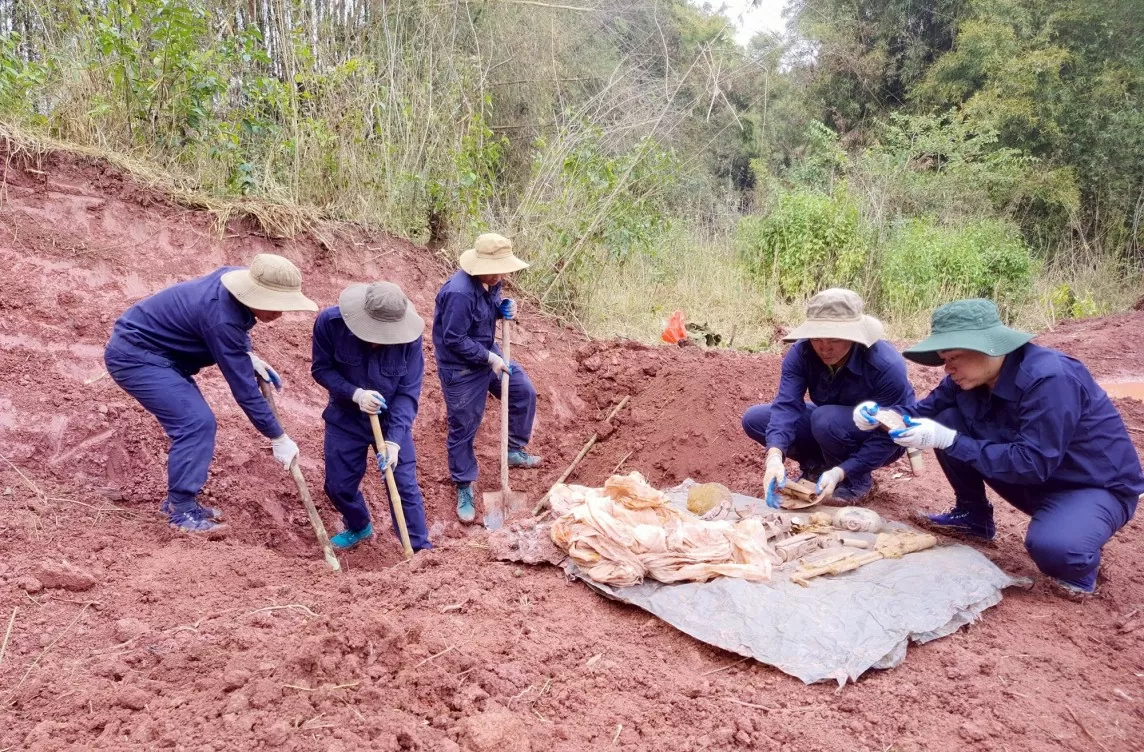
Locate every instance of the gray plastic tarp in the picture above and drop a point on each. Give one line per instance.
(838, 627)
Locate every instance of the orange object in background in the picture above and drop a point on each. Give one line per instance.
(674, 332)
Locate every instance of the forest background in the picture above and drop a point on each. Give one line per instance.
(641, 159)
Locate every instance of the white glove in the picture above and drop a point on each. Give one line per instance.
(265, 372)
(775, 476)
(864, 416)
(497, 363)
(923, 433)
(828, 481)
(370, 402)
(285, 450)
(387, 458)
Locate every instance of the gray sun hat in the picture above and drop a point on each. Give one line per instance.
(380, 313)
(966, 325)
(838, 313)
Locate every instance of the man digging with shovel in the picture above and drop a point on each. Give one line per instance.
(161, 342)
(367, 354)
(470, 364)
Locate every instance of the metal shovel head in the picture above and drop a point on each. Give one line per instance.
(498, 507)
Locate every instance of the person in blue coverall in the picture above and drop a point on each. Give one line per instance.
(469, 363)
(839, 359)
(367, 354)
(1032, 424)
(161, 342)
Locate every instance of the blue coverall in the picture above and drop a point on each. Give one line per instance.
(342, 364)
(1048, 440)
(464, 330)
(820, 434)
(159, 344)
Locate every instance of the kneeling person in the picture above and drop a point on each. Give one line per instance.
(839, 360)
(367, 354)
(1032, 424)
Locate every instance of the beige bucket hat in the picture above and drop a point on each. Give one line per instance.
(380, 313)
(838, 314)
(272, 283)
(491, 254)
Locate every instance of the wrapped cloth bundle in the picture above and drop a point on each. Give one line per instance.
(627, 531)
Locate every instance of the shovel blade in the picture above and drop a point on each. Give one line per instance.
(499, 505)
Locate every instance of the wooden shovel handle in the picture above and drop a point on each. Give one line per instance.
(391, 485)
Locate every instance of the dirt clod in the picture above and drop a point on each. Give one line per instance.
(495, 730)
(61, 574)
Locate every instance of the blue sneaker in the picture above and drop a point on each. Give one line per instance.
(466, 510)
(347, 539)
(974, 522)
(521, 458)
(212, 512)
(194, 520)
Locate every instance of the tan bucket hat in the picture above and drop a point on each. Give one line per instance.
(380, 313)
(838, 314)
(272, 283)
(491, 254)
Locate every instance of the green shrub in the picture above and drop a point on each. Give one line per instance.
(809, 242)
(927, 264)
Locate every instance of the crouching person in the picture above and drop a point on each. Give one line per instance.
(839, 360)
(1032, 424)
(470, 364)
(367, 354)
(160, 343)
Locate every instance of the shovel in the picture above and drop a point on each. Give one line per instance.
(303, 490)
(391, 486)
(502, 503)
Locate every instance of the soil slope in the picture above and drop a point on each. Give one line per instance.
(129, 636)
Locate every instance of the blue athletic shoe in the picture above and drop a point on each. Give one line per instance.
(211, 512)
(466, 510)
(195, 520)
(974, 522)
(348, 539)
(521, 458)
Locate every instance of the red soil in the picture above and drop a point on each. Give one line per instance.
(148, 639)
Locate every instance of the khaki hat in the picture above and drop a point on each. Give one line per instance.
(838, 314)
(272, 283)
(491, 254)
(380, 313)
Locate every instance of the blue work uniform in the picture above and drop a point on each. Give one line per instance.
(1049, 441)
(342, 364)
(156, 348)
(464, 330)
(820, 434)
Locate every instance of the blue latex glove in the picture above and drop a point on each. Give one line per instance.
(829, 481)
(923, 433)
(508, 308)
(265, 372)
(370, 402)
(775, 477)
(865, 416)
(387, 457)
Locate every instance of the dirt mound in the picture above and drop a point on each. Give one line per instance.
(169, 641)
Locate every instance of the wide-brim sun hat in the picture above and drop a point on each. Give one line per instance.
(966, 325)
(380, 313)
(491, 254)
(271, 283)
(838, 314)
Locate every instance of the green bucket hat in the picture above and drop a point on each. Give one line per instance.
(966, 325)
